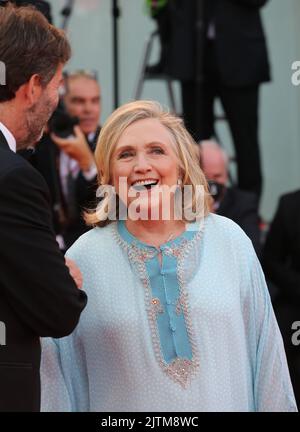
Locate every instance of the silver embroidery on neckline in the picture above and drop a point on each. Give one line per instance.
(180, 370)
(157, 306)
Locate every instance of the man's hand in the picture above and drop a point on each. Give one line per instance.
(77, 148)
(74, 272)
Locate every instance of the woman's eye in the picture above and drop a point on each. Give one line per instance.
(157, 150)
(125, 154)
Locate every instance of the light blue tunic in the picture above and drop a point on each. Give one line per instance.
(194, 333)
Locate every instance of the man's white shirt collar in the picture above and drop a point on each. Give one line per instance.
(9, 137)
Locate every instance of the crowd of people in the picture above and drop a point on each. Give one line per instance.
(143, 314)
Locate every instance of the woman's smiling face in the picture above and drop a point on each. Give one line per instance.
(144, 158)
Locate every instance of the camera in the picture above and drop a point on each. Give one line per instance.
(61, 123)
(216, 190)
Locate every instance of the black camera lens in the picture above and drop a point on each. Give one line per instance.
(62, 124)
(216, 189)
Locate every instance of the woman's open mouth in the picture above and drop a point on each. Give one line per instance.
(141, 185)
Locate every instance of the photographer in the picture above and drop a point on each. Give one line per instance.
(65, 155)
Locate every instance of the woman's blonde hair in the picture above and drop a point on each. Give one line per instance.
(110, 134)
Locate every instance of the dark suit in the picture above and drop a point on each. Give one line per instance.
(67, 222)
(281, 262)
(242, 208)
(38, 297)
(240, 45)
(231, 65)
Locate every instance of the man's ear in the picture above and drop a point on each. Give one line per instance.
(32, 90)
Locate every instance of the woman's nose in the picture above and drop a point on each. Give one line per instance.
(142, 164)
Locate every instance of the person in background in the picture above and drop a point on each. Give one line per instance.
(230, 201)
(281, 263)
(217, 49)
(38, 296)
(159, 11)
(67, 164)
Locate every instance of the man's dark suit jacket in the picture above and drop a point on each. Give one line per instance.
(240, 42)
(242, 207)
(281, 254)
(281, 263)
(45, 160)
(38, 297)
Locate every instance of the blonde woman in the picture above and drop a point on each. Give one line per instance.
(179, 317)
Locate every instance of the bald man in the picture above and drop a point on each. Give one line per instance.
(236, 204)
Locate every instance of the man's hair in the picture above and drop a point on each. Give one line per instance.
(81, 73)
(29, 45)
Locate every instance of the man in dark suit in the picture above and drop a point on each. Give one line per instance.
(226, 57)
(68, 164)
(281, 263)
(38, 296)
(232, 202)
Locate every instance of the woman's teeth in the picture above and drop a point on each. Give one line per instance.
(140, 184)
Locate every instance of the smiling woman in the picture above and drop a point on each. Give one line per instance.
(145, 156)
(179, 317)
(142, 142)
